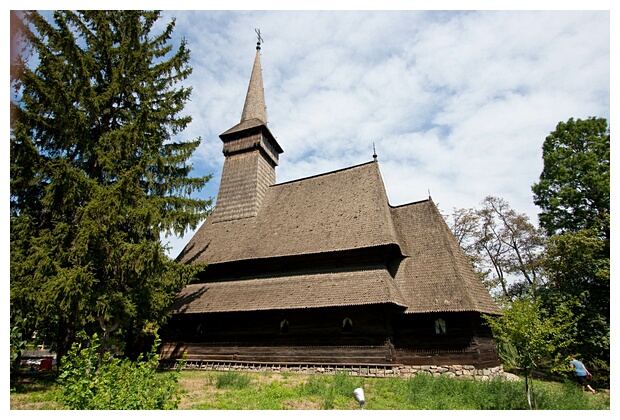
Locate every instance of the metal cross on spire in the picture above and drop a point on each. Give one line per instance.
(260, 39)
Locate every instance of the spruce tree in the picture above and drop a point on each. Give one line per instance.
(97, 175)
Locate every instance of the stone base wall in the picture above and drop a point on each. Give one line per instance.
(466, 372)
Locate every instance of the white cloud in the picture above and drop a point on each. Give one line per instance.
(455, 102)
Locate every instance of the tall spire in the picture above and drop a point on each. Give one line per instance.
(251, 155)
(254, 107)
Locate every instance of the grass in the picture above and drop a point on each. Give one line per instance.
(269, 391)
(35, 392)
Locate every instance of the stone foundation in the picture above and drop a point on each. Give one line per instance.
(466, 372)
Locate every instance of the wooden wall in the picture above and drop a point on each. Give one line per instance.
(379, 336)
(466, 340)
(307, 327)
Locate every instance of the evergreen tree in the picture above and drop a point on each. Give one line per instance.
(96, 175)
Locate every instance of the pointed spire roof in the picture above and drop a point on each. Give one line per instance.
(254, 113)
(254, 107)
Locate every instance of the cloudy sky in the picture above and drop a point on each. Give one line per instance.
(457, 103)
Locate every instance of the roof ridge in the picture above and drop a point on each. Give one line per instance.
(426, 200)
(324, 174)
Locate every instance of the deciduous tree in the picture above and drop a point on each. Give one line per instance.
(574, 267)
(574, 187)
(540, 337)
(574, 195)
(504, 247)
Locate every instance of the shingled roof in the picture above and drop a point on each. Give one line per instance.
(337, 211)
(342, 210)
(436, 276)
(296, 291)
(345, 211)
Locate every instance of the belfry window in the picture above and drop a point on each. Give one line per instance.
(440, 326)
(284, 326)
(347, 325)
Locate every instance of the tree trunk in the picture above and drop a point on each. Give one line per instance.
(64, 340)
(107, 330)
(528, 391)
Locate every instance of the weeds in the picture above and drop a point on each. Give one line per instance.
(262, 391)
(115, 384)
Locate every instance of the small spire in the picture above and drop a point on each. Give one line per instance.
(254, 107)
(374, 152)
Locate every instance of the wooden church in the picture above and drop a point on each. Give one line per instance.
(323, 270)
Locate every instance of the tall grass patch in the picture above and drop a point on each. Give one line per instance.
(208, 390)
(332, 391)
(233, 380)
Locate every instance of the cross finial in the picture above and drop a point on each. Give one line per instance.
(260, 39)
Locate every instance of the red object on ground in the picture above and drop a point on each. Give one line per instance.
(46, 364)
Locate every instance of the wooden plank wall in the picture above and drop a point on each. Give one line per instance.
(279, 354)
(310, 327)
(467, 340)
(316, 336)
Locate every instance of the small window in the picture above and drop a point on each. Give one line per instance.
(347, 325)
(440, 326)
(284, 327)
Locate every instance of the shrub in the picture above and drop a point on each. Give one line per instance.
(115, 384)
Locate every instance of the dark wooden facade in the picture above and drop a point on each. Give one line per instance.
(378, 334)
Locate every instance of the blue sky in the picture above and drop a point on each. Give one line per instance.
(457, 100)
(457, 103)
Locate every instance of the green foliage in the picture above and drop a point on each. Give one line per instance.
(115, 384)
(18, 343)
(422, 392)
(503, 246)
(508, 355)
(311, 392)
(574, 187)
(96, 175)
(574, 195)
(538, 337)
(576, 268)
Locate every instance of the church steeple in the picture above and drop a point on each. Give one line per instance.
(251, 155)
(254, 107)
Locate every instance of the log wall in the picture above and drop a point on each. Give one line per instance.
(316, 336)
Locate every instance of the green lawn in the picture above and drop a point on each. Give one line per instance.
(263, 391)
